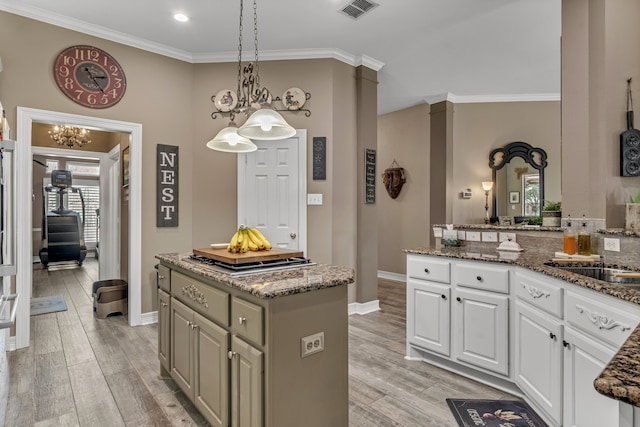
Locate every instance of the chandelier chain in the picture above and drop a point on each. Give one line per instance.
(240, 51)
(255, 42)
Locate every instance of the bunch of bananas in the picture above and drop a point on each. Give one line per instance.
(248, 239)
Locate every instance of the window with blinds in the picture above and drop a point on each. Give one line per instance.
(91, 194)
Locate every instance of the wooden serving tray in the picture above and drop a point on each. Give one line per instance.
(223, 255)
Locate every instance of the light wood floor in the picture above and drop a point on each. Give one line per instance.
(82, 371)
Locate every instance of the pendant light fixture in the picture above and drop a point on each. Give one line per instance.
(264, 123)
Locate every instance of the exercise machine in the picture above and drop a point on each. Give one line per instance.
(62, 228)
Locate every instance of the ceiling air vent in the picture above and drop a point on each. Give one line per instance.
(357, 8)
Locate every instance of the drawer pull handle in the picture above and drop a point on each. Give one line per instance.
(164, 304)
(193, 326)
(426, 270)
(552, 336)
(242, 320)
(230, 354)
(444, 297)
(479, 278)
(161, 277)
(458, 299)
(565, 344)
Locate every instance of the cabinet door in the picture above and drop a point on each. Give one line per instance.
(584, 359)
(164, 328)
(181, 359)
(246, 385)
(428, 316)
(211, 371)
(538, 347)
(481, 329)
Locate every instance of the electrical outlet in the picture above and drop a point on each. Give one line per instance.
(312, 344)
(505, 237)
(612, 245)
(489, 236)
(473, 236)
(462, 235)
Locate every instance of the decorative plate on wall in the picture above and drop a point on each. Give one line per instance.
(226, 100)
(294, 98)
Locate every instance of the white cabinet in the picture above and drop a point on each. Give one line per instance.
(584, 359)
(428, 315)
(481, 329)
(538, 358)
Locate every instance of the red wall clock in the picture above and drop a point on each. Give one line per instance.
(89, 76)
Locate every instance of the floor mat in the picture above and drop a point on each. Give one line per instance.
(496, 413)
(48, 305)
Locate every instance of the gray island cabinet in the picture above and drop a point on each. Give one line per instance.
(234, 345)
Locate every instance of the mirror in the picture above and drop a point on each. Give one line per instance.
(518, 180)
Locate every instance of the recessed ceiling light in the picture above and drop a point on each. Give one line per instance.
(180, 17)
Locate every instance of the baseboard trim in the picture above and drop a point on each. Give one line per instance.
(364, 307)
(392, 276)
(149, 318)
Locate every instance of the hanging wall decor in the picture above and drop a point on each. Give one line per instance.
(393, 179)
(167, 185)
(369, 176)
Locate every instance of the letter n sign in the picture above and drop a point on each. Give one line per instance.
(167, 187)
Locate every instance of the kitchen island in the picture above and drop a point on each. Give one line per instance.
(262, 349)
(557, 336)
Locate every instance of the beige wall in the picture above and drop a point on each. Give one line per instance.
(600, 52)
(403, 222)
(172, 101)
(479, 128)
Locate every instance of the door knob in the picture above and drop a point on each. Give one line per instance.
(293, 235)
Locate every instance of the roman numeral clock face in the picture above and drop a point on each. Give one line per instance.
(89, 76)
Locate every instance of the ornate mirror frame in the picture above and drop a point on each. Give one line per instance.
(499, 157)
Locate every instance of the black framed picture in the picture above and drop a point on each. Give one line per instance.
(514, 197)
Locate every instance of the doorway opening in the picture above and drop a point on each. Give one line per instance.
(24, 206)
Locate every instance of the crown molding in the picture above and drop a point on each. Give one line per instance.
(58, 20)
(471, 99)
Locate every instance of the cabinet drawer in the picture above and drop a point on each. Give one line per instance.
(599, 319)
(206, 300)
(475, 275)
(434, 270)
(164, 278)
(246, 320)
(539, 293)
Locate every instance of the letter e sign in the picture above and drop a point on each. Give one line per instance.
(167, 186)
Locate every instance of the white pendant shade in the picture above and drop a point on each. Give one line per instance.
(229, 141)
(266, 124)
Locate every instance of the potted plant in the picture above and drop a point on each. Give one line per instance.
(551, 214)
(632, 214)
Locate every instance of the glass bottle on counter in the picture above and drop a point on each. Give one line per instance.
(584, 239)
(569, 247)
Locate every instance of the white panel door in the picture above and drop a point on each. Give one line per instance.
(428, 321)
(271, 200)
(481, 331)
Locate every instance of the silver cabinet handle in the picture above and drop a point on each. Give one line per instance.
(164, 304)
(230, 354)
(242, 320)
(161, 277)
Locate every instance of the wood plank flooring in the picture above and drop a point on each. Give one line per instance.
(83, 371)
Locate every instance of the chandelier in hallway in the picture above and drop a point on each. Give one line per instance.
(69, 136)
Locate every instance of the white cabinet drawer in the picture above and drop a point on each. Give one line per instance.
(539, 293)
(434, 270)
(599, 318)
(481, 276)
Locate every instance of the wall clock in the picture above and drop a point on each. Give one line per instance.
(89, 76)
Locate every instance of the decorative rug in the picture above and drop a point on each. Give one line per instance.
(494, 413)
(47, 305)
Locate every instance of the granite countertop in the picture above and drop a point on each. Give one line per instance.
(267, 285)
(621, 377)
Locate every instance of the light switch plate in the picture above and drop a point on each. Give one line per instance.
(473, 236)
(462, 235)
(489, 236)
(314, 199)
(437, 232)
